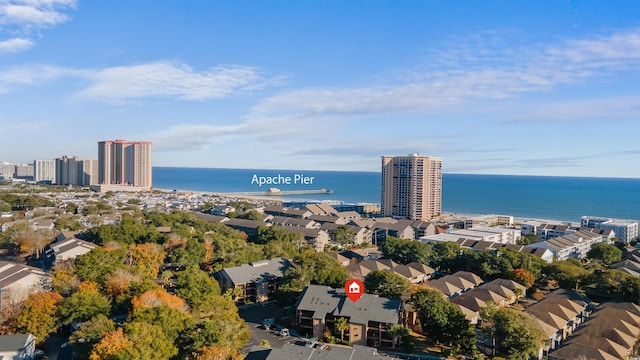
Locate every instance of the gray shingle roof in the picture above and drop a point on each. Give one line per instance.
(323, 300)
(258, 271)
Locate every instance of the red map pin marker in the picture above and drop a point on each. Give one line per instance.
(354, 289)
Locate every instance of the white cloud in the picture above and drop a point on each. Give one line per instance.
(188, 137)
(123, 84)
(614, 108)
(167, 79)
(27, 16)
(448, 87)
(15, 45)
(30, 14)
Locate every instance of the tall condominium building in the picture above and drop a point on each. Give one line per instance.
(411, 187)
(124, 163)
(44, 170)
(72, 170)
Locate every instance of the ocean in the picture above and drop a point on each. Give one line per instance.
(538, 197)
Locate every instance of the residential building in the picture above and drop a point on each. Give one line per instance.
(44, 170)
(411, 187)
(550, 231)
(480, 233)
(72, 170)
(575, 245)
(24, 171)
(455, 284)
(370, 318)
(17, 347)
(67, 249)
(626, 230)
(123, 162)
(17, 281)
(258, 280)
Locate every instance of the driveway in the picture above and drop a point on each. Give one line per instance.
(253, 315)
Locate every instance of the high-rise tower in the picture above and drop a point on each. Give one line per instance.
(411, 187)
(124, 163)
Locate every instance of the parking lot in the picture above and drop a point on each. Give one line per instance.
(254, 315)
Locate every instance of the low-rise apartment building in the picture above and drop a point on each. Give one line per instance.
(258, 280)
(370, 318)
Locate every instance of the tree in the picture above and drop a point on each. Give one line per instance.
(442, 320)
(84, 304)
(344, 234)
(149, 342)
(528, 239)
(196, 286)
(515, 333)
(398, 331)
(147, 258)
(113, 343)
(99, 262)
(606, 253)
(88, 334)
(39, 315)
(174, 322)
(523, 277)
(64, 280)
(386, 284)
(159, 297)
(311, 268)
(405, 251)
(342, 325)
(207, 207)
(568, 273)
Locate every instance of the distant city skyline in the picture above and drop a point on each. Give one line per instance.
(495, 87)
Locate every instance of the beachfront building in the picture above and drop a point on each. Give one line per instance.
(123, 162)
(626, 230)
(411, 187)
(493, 234)
(73, 170)
(574, 245)
(44, 171)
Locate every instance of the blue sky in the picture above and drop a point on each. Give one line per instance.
(493, 87)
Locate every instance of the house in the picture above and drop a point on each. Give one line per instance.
(17, 347)
(611, 333)
(317, 238)
(455, 284)
(370, 318)
(66, 250)
(249, 227)
(415, 272)
(559, 314)
(17, 281)
(321, 209)
(258, 280)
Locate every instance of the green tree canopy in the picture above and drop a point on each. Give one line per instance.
(405, 251)
(196, 286)
(386, 284)
(606, 253)
(442, 320)
(516, 333)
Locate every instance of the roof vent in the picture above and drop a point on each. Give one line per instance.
(259, 263)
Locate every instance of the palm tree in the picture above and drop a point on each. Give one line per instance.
(398, 331)
(342, 325)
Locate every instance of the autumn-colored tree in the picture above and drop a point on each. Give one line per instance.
(39, 315)
(65, 280)
(118, 282)
(149, 342)
(147, 258)
(174, 241)
(217, 353)
(159, 297)
(31, 241)
(111, 344)
(523, 276)
(9, 316)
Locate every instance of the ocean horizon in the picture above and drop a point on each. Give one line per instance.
(565, 198)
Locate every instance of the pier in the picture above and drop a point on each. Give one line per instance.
(278, 192)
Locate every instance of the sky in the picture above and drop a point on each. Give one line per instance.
(491, 87)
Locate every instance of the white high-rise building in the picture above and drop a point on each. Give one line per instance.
(72, 170)
(44, 170)
(411, 187)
